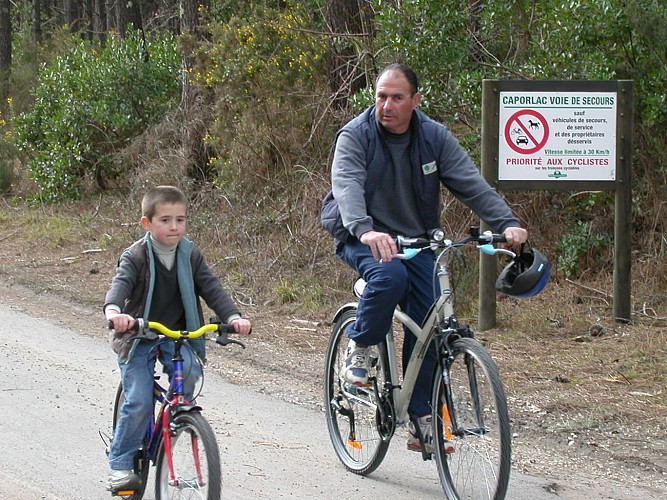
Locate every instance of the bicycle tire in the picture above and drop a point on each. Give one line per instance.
(475, 422)
(142, 464)
(351, 413)
(192, 441)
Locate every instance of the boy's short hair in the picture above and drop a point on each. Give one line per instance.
(160, 195)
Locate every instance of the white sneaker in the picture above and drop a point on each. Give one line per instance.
(426, 430)
(355, 369)
(123, 479)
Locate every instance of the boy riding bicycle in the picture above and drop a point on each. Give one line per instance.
(161, 277)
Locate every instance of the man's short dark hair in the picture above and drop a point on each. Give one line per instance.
(407, 72)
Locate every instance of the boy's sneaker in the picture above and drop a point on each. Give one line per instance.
(426, 430)
(123, 480)
(355, 368)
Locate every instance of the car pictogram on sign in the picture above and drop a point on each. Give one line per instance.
(522, 139)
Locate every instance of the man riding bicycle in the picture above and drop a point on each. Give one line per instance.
(387, 168)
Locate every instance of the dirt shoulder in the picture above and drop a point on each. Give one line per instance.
(586, 394)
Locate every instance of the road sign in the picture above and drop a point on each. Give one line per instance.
(557, 135)
(526, 131)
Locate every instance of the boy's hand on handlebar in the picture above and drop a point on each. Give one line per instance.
(121, 322)
(241, 325)
(382, 245)
(515, 236)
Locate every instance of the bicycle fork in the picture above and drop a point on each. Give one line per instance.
(445, 415)
(170, 429)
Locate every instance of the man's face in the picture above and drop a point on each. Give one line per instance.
(168, 224)
(394, 102)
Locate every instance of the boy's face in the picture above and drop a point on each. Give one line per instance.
(168, 224)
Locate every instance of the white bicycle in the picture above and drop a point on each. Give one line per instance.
(471, 430)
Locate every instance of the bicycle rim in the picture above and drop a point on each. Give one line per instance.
(196, 460)
(142, 464)
(352, 412)
(475, 422)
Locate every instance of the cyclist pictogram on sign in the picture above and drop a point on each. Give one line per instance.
(526, 131)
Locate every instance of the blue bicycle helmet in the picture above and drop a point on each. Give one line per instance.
(525, 276)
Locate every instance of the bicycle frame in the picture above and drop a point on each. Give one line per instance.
(441, 309)
(170, 400)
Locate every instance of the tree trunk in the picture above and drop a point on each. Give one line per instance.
(351, 32)
(476, 7)
(193, 102)
(87, 19)
(70, 8)
(99, 19)
(122, 17)
(110, 9)
(134, 15)
(37, 21)
(5, 52)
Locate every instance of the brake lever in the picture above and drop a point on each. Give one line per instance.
(489, 249)
(224, 340)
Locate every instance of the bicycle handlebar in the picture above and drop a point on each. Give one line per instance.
(214, 325)
(185, 334)
(436, 239)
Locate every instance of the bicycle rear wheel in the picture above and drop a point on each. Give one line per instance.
(196, 459)
(141, 462)
(352, 412)
(471, 425)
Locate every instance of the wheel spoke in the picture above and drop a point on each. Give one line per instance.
(196, 461)
(352, 412)
(473, 440)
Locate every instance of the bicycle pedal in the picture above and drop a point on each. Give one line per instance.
(125, 488)
(123, 493)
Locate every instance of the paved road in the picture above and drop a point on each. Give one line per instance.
(56, 396)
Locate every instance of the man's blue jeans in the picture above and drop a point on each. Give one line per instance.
(137, 410)
(408, 283)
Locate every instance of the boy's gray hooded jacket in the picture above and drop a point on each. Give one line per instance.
(132, 290)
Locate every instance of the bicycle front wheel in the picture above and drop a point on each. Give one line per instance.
(471, 425)
(195, 458)
(352, 412)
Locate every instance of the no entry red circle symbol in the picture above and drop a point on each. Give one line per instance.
(526, 131)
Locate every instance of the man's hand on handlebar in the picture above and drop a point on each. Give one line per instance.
(515, 236)
(382, 245)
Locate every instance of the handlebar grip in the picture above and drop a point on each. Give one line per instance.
(490, 237)
(138, 325)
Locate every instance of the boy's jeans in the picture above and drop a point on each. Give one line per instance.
(408, 283)
(137, 410)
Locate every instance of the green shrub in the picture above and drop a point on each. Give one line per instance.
(578, 244)
(89, 104)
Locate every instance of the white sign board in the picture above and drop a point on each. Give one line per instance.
(557, 136)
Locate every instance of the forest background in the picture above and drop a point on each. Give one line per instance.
(238, 104)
